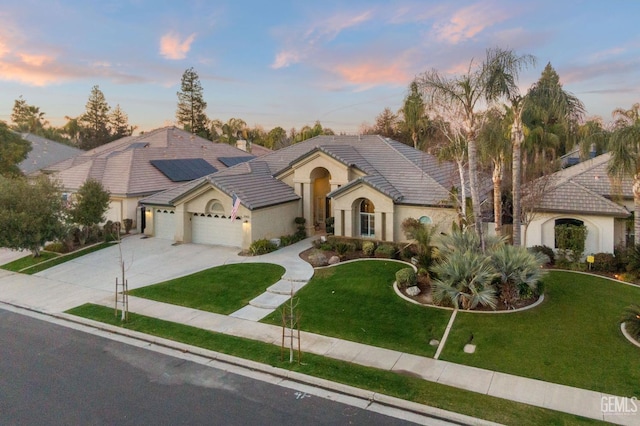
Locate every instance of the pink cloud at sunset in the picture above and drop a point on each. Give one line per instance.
(469, 22)
(373, 73)
(172, 47)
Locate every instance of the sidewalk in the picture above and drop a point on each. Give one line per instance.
(54, 297)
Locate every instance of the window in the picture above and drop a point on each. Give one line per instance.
(367, 219)
(426, 220)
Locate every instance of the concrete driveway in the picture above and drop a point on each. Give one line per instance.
(147, 261)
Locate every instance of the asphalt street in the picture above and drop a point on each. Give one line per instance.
(53, 375)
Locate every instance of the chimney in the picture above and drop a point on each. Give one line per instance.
(241, 144)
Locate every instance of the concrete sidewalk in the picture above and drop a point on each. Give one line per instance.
(54, 296)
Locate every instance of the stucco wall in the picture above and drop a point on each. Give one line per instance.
(601, 236)
(440, 217)
(273, 222)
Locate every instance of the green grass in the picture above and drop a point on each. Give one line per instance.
(572, 338)
(356, 301)
(405, 387)
(223, 289)
(31, 265)
(29, 261)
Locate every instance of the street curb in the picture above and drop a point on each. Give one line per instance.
(283, 374)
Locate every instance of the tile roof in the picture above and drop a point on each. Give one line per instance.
(406, 175)
(45, 152)
(585, 187)
(124, 166)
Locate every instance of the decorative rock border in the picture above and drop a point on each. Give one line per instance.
(623, 328)
(408, 299)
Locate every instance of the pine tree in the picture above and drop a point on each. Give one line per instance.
(119, 122)
(95, 121)
(191, 105)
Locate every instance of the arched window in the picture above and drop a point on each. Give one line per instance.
(367, 219)
(426, 220)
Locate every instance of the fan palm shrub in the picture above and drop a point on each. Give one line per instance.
(631, 319)
(465, 280)
(519, 272)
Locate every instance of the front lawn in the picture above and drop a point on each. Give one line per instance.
(573, 338)
(29, 261)
(387, 382)
(356, 301)
(31, 265)
(223, 289)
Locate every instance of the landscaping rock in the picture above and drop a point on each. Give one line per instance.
(434, 342)
(413, 290)
(333, 260)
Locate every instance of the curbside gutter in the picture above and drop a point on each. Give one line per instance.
(275, 375)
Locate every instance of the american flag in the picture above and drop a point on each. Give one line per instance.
(235, 200)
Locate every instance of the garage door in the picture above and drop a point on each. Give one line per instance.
(164, 224)
(216, 230)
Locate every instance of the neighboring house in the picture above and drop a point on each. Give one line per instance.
(368, 184)
(135, 167)
(582, 194)
(44, 152)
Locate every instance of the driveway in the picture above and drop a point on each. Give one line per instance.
(147, 261)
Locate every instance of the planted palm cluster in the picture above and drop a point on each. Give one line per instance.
(631, 320)
(468, 277)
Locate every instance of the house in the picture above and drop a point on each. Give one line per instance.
(135, 167)
(582, 194)
(44, 153)
(368, 184)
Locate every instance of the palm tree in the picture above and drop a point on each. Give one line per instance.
(519, 271)
(460, 96)
(631, 320)
(494, 147)
(464, 280)
(625, 157)
(552, 112)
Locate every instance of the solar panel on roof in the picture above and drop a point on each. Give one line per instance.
(184, 169)
(232, 161)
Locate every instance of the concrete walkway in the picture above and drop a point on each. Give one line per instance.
(54, 293)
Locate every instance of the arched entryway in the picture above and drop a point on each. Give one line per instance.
(565, 221)
(321, 205)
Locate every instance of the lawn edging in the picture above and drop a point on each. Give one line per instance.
(368, 258)
(508, 311)
(623, 328)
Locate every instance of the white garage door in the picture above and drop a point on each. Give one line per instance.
(209, 229)
(164, 224)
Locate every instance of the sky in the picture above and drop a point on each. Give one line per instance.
(291, 63)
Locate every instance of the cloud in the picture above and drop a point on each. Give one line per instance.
(468, 22)
(372, 73)
(172, 47)
(302, 43)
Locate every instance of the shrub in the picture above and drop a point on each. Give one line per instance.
(57, 247)
(286, 240)
(546, 250)
(128, 224)
(94, 234)
(318, 258)
(627, 277)
(631, 319)
(386, 251)
(571, 240)
(368, 248)
(632, 255)
(262, 246)
(604, 262)
(329, 222)
(342, 248)
(406, 277)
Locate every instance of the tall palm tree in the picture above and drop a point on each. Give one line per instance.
(483, 83)
(494, 148)
(625, 157)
